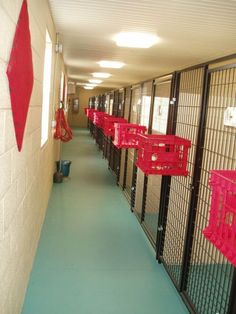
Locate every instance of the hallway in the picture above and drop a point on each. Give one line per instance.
(93, 256)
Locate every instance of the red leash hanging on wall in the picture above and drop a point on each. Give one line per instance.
(63, 131)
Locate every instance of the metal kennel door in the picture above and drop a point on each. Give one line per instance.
(187, 124)
(124, 151)
(210, 276)
(116, 153)
(158, 126)
(134, 116)
(138, 176)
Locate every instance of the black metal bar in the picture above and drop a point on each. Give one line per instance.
(145, 185)
(103, 145)
(123, 103)
(130, 103)
(118, 166)
(195, 184)
(174, 97)
(224, 67)
(115, 103)
(111, 98)
(120, 103)
(121, 114)
(125, 170)
(110, 154)
(148, 234)
(189, 304)
(232, 298)
(166, 180)
(89, 102)
(207, 63)
(152, 108)
(133, 187)
(162, 217)
(150, 122)
(126, 154)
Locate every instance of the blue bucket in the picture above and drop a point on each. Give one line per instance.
(64, 167)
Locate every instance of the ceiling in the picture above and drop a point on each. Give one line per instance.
(191, 32)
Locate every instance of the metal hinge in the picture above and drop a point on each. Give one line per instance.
(191, 187)
(172, 101)
(160, 228)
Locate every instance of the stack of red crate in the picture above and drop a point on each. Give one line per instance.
(221, 230)
(163, 154)
(108, 126)
(98, 118)
(126, 134)
(90, 113)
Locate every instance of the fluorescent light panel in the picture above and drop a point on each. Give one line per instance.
(101, 74)
(88, 87)
(111, 64)
(95, 81)
(136, 39)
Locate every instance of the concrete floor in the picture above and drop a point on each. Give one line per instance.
(93, 256)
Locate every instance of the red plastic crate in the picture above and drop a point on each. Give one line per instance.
(108, 126)
(221, 230)
(98, 118)
(163, 154)
(90, 113)
(126, 134)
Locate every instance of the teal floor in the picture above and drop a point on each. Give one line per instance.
(93, 256)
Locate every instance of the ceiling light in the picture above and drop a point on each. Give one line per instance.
(136, 40)
(111, 64)
(95, 81)
(88, 87)
(101, 74)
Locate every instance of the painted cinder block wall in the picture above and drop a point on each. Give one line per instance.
(26, 177)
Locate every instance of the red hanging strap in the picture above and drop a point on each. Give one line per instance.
(63, 131)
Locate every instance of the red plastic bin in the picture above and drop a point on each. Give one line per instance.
(221, 230)
(126, 134)
(98, 118)
(108, 126)
(163, 154)
(90, 113)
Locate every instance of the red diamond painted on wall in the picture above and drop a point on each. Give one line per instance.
(20, 74)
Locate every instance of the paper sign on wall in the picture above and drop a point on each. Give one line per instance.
(230, 117)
